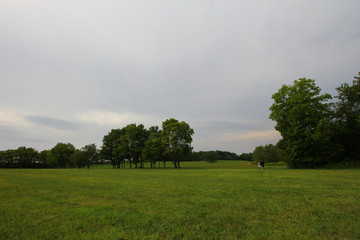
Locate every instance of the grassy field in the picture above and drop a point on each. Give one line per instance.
(224, 200)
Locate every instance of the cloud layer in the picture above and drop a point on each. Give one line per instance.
(72, 70)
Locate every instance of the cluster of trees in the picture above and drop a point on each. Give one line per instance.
(133, 144)
(61, 156)
(246, 157)
(269, 153)
(21, 158)
(316, 128)
(136, 145)
(213, 156)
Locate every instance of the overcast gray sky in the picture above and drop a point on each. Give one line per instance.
(70, 71)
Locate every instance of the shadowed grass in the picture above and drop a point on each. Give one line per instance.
(224, 200)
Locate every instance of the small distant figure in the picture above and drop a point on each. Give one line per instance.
(262, 164)
(259, 165)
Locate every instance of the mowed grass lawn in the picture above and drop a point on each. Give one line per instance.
(224, 200)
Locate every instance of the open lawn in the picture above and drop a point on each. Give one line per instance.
(224, 200)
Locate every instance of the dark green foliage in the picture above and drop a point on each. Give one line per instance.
(77, 159)
(153, 150)
(212, 156)
(60, 154)
(281, 152)
(91, 154)
(135, 144)
(317, 133)
(298, 109)
(136, 137)
(125, 144)
(21, 158)
(246, 156)
(267, 153)
(224, 155)
(176, 139)
(110, 143)
(219, 155)
(43, 158)
(84, 157)
(347, 119)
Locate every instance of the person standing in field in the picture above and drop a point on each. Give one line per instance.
(259, 165)
(262, 164)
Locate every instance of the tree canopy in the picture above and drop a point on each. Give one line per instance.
(135, 144)
(298, 109)
(315, 130)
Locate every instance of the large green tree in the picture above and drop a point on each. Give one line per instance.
(136, 136)
(91, 154)
(153, 150)
(136, 144)
(298, 110)
(122, 153)
(78, 159)
(124, 144)
(27, 157)
(61, 153)
(347, 119)
(110, 144)
(22, 157)
(267, 153)
(176, 140)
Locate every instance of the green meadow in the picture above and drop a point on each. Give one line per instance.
(224, 200)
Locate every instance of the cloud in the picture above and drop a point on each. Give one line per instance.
(114, 119)
(57, 124)
(11, 118)
(252, 135)
(71, 71)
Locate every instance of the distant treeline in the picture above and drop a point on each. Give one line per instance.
(61, 156)
(133, 144)
(213, 156)
(66, 155)
(269, 153)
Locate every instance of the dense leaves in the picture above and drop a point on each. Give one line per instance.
(213, 156)
(347, 119)
(176, 138)
(21, 158)
(267, 153)
(316, 131)
(135, 144)
(61, 153)
(60, 156)
(298, 109)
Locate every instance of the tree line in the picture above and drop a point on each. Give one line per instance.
(133, 144)
(213, 156)
(60, 156)
(317, 129)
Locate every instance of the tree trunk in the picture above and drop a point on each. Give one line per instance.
(136, 162)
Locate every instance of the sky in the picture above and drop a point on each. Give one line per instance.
(70, 71)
